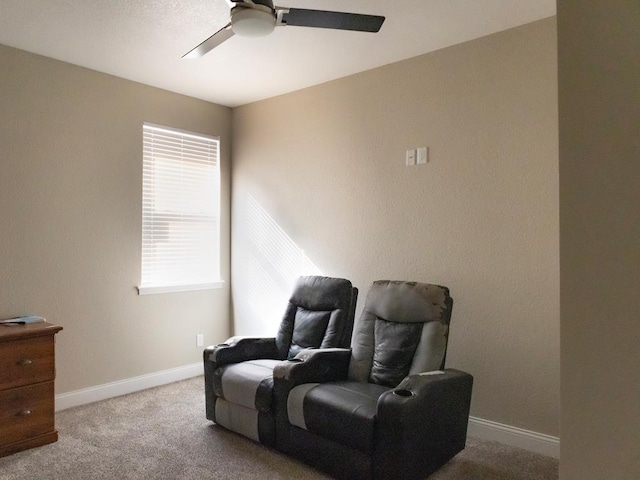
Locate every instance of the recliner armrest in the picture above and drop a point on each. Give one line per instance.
(240, 349)
(313, 366)
(422, 384)
(424, 417)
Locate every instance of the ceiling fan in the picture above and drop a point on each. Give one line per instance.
(255, 18)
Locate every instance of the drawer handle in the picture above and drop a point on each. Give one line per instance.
(24, 413)
(25, 362)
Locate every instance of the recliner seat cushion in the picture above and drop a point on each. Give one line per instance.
(248, 384)
(340, 411)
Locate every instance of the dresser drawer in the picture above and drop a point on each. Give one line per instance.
(26, 361)
(26, 412)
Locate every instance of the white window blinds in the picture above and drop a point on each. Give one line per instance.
(180, 211)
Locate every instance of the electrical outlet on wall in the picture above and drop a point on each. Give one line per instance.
(199, 340)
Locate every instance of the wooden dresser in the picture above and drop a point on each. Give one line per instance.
(27, 373)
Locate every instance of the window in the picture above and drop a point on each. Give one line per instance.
(180, 211)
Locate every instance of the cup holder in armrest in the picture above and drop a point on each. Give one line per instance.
(222, 345)
(295, 360)
(402, 392)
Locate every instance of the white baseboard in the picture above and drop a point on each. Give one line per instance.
(129, 385)
(514, 436)
(478, 427)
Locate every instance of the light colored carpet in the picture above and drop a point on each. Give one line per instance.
(162, 433)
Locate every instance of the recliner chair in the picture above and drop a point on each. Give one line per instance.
(385, 409)
(238, 373)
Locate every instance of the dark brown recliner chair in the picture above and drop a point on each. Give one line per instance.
(385, 409)
(238, 374)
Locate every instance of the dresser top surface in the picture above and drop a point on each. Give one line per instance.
(12, 332)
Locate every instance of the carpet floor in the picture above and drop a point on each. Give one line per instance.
(162, 433)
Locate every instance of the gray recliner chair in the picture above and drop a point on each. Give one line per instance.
(386, 409)
(238, 373)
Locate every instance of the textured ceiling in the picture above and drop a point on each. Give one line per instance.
(144, 40)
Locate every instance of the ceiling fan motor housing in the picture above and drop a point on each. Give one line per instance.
(255, 21)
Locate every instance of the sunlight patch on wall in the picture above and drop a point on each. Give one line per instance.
(273, 265)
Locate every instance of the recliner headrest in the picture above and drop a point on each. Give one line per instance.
(409, 302)
(322, 293)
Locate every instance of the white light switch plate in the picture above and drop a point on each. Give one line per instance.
(411, 157)
(422, 155)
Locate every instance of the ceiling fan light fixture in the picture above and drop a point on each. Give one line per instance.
(251, 22)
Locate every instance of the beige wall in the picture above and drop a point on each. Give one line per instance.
(319, 180)
(70, 219)
(599, 102)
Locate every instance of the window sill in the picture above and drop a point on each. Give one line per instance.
(180, 288)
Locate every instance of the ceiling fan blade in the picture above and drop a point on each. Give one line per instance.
(302, 17)
(225, 33)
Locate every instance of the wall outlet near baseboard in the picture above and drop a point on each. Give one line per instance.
(199, 340)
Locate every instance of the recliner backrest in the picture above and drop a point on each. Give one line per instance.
(319, 315)
(403, 330)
